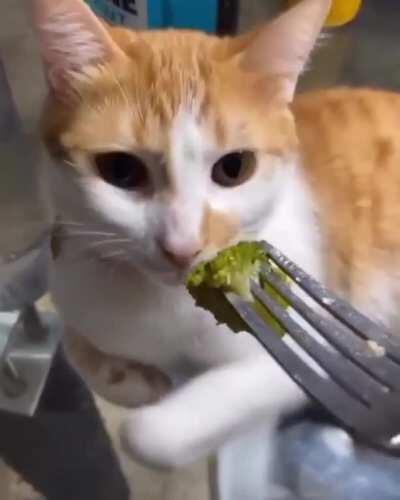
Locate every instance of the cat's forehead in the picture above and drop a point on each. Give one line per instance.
(164, 70)
(168, 72)
(166, 75)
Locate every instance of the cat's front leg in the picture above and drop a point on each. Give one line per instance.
(120, 381)
(198, 418)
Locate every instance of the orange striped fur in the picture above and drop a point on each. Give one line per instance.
(350, 145)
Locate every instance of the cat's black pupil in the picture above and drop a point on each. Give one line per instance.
(232, 164)
(122, 170)
(234, 168)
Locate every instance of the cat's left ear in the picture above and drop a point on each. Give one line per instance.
(71, 40)
(281, 48)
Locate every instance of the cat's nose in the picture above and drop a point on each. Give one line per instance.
(180, 254)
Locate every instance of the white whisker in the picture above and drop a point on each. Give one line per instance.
(71, 164)
(108, 242)
(112, 254)
(70, 223)
(90, 233)
(120, 88)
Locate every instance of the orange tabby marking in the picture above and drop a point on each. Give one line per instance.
(350, 142)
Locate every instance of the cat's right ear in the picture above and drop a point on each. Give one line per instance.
(71, 39)
(281, 48)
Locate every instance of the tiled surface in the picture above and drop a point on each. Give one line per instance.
(367, 52)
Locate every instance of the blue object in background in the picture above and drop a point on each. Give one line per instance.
(319, 461)
(201, 14)
(212, 16)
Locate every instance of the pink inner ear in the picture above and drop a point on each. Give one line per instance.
(71, 39)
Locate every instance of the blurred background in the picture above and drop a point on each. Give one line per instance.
(365, 52)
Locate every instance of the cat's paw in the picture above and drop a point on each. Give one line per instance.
(130, 384)
(149, 437)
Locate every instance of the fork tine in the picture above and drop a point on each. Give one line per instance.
(351, 346)
(350, 377)
(360, 324)
(347, 409)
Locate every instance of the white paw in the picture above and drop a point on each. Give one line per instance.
(153, 439)
(130, 384)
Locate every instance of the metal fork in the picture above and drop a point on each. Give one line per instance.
(359, 383)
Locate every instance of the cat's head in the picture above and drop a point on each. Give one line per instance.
(177, 142)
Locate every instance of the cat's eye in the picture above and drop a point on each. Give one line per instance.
(123, 170)
(234, 168)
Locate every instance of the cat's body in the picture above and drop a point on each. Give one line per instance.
(162, 328)
(195, 117)
(350, 148)
(163, 315)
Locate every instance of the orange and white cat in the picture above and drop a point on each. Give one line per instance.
(172, 145)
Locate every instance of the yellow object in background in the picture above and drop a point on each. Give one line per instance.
(342, 11)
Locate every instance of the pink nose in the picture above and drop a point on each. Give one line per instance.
(181, 255)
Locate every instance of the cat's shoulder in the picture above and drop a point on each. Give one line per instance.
(348, 125)
(344, 96)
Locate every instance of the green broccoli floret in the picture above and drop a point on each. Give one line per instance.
(232, 271)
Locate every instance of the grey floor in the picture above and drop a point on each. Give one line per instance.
(367, 52)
